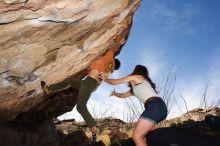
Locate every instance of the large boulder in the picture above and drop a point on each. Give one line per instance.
(53, 40)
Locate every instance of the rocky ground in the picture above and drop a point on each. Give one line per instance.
(111, 130)
(199, 127)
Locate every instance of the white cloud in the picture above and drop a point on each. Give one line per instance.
(178, 20)
(153, 60)
(214, 75)
(193, 88)
(159, 10)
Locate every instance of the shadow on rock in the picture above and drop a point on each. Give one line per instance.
(78, 138)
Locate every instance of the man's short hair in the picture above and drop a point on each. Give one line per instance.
(117, 64)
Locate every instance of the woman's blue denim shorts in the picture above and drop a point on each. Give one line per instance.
(155, 111)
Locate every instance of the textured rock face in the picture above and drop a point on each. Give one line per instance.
(200, 114)
(53, 40)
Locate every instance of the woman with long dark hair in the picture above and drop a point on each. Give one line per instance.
(143, 88)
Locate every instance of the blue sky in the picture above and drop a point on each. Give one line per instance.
(180, 37)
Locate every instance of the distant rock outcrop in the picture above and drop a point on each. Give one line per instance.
(200, 114)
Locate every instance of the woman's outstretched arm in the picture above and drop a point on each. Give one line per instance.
(121, 95)
(116, 81)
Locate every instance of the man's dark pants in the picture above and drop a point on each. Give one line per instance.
(86, 87)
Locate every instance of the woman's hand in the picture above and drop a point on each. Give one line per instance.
(103, 76)
(121, 95)
(116, 94)
(113, 93)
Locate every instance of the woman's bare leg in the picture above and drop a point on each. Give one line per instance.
(140, 131)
